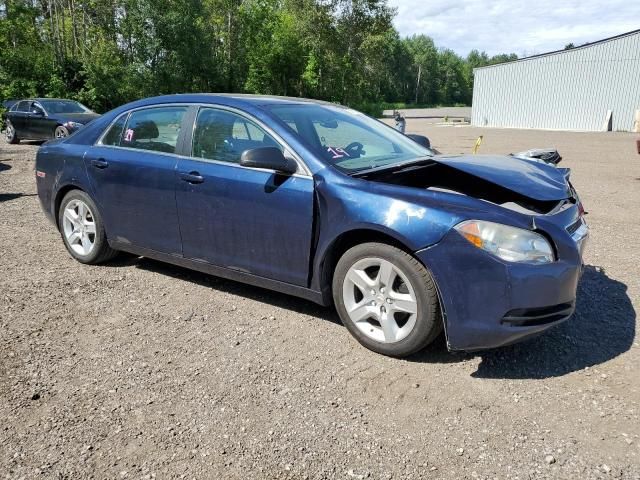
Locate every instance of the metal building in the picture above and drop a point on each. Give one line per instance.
(592, 87)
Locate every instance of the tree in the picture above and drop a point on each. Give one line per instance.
(108, 52)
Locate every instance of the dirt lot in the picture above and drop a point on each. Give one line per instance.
(137, 369)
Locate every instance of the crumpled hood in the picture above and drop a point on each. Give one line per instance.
(82, 118)
(535, 180)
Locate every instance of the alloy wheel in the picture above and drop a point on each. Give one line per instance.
(61, 132)
(380, 300)
(79, 227)
(9, 133)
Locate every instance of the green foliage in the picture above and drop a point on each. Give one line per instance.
(108, 52)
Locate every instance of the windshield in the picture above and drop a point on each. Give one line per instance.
(348, 139)
(64, 106)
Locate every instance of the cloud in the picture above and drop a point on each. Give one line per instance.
(515, 26)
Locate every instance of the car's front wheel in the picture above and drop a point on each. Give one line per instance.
(387, 299)
(60, 132)
(10, 134)
(82, 229)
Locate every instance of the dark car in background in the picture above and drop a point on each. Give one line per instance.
(45, 118)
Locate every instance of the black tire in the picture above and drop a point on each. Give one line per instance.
(60, 132)
(101, 251)
(10, 134)
(428, 324)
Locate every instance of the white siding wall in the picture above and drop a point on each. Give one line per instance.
(568, 90)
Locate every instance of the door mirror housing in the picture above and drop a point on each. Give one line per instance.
(37, 111)
(420, 139)
(270, 158)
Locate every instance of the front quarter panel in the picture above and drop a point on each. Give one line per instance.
(413, 217)
(345, 207)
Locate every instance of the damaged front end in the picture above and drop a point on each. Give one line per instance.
(488, 301)
(514, 183)
(549, 156)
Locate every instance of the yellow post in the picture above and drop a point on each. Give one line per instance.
(477, 145)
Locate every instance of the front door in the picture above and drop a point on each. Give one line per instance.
(40, 126)
(132, 171)
(252, 220)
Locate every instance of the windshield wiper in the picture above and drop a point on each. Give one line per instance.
(393, 166)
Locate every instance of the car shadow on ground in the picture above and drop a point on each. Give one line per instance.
(5, 197)
(263, 295)
(4, 166)
(602, 328)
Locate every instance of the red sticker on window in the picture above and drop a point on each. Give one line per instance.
(128, 136)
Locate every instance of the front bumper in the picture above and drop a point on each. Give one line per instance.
(489, 303)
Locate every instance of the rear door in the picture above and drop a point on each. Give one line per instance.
(19, 118)
(252, 220)
(132, 171)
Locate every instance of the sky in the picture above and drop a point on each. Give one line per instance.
(515, 26)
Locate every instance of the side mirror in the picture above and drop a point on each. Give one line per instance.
(270, 158)
(420, 139)
(37, 111)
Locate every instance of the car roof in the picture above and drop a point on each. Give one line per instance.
(32, 99)
(54, 99)
(237, 99)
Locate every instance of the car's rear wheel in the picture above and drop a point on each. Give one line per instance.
(60, 132)
(82, 229)
(387, 299)
(10, 134)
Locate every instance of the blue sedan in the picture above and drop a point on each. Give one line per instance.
(322, 202)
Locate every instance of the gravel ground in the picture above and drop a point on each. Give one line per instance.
(138, 369)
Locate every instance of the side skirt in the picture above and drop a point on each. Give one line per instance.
(223, 272)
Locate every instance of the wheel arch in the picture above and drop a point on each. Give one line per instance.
(344, 242)
(351, 238)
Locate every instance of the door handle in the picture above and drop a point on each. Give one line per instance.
(192, 177)
(100, 163)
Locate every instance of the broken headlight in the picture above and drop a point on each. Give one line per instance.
(508, 243)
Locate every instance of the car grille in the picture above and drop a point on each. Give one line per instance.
(529, 317)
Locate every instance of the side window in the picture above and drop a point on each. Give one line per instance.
(114, 135)
(255, 132)
(223, 136)
(154, 129)
(240, 130)
(246, 130)
(36, 107)
(23, 106)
